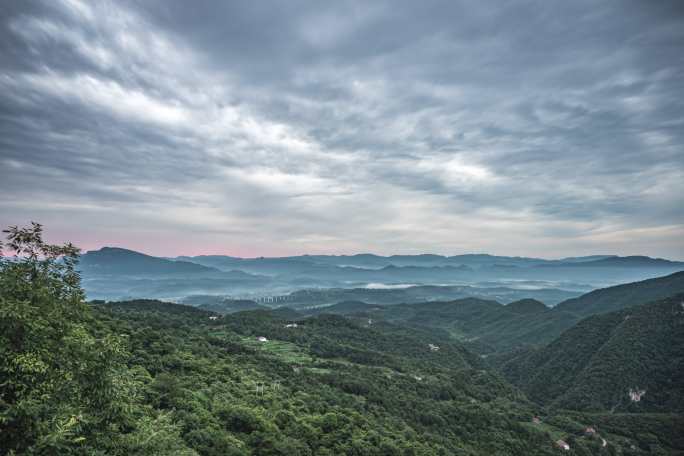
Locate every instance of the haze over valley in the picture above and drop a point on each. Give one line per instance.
(309, 280)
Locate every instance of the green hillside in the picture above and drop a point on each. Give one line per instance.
(527, 306)
(331, 386)
(347, 308)
(492, 329)
(227, 306)
(621, 296)
(487, 326)
(595, 364)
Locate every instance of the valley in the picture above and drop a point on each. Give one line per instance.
(341, 228)
(404, 371)
(309, 280)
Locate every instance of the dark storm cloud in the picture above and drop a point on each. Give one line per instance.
(278, 127)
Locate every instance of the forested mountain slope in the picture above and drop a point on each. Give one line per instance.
(329, 386)
(595, 364)
(491, 327)
(621, 296)
(527, 306)
(487, 325)
(338, 386)
(346, 308)
(221, 304)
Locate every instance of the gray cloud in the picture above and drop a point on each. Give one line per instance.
(251, 128)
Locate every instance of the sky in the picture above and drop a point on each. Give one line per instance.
(534, 128)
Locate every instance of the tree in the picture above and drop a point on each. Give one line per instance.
(62, 389)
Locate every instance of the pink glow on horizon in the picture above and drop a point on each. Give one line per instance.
(163, 244)
(164, 249)
(171, 243)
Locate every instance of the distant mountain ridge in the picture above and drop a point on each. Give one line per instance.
(623, 262)
(115, 260)
(350, 271)
(116, 273)
(370, 260)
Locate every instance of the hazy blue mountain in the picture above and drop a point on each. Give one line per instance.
(268, 266)
(635, 261)
(352, 271)
(370, 261)
(114, 260)
(114, 273)
(582, 259)
(622, 262)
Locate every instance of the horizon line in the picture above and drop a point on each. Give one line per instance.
(383, 256)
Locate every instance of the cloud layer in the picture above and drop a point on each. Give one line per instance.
(273, 128)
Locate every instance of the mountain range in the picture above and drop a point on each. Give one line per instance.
(117, 261)
(116, 273)
(603, 372)
(491, 328)
(618, 349)
(437, 358)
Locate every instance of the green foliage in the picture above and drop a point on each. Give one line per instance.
(594, 365)
(487, 326)
(621, 296)
(330, 386)
(63, 388)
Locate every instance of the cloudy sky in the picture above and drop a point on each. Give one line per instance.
(538, 128)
